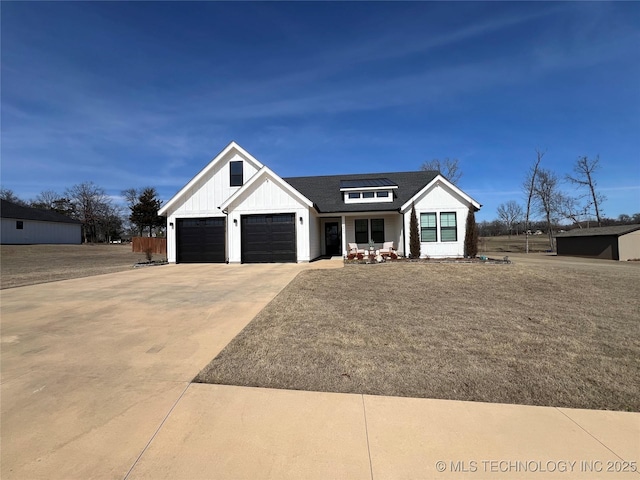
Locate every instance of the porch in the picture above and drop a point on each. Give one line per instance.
(365, 229)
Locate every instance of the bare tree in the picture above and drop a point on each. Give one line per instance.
(91, 205)
(571, 209)
(8, 195)
(511, 214)
(584, 170)
(448, 167)
(131, 196)
(529, 187)
(45, 199)
(547, 197)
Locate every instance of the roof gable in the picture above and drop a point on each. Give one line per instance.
(324, 191)
(262, 173)
(13, 210)
(233, 146)
(439, 179)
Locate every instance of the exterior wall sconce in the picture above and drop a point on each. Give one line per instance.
(235, 222)
(300, 220)
(171, 225)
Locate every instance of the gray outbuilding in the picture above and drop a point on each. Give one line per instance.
(25, 225)
(620, 242)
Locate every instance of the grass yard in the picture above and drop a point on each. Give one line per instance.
(540, 333)
(515, 244)
(30, 264)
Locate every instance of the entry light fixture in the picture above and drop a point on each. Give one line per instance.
(171, 225)
(300, 220)
(235, 222)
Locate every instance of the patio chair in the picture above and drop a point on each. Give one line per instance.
(353, 248)
(387, 249)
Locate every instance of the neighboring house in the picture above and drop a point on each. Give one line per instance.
(621, 242)
(25, 225)
(238, 210)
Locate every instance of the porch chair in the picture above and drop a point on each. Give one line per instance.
(353, 248)
(387, 249)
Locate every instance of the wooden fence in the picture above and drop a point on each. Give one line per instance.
(157, 245)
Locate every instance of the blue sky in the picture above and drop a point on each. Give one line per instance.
(144, 94)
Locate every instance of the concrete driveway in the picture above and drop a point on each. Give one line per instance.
(92, 366)
(95, 384)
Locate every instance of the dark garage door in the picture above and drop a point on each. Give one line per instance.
(200, 240)
(269, 238)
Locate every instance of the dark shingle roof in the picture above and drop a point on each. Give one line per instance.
(13, 210)
(325, 192)
(367, 182)
(616, 230)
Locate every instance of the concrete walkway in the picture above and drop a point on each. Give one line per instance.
(96, 384)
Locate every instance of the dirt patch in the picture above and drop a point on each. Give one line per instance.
(526, 333)
(31, 264)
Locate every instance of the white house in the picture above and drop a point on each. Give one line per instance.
(25, 225)
(238, 210)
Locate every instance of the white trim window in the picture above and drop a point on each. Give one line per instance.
(448, 227)
(428, 227)
(368, 196)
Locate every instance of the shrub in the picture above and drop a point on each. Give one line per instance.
(414, 234)
(471, 234)
(148, 253)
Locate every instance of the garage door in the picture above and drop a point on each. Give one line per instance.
(269, 238)
(200, 240)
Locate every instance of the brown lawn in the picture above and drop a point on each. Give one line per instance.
(547, 332)
(513, 244)
(30, 264)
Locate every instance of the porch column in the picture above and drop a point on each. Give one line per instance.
(343, 235)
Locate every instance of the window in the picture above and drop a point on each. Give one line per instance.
(367, 194)
(19, 225)
(377, 230)
(382, 194)
(428, 227)
(362, 231)
(236, 177)
(354, 195)
(448, 227)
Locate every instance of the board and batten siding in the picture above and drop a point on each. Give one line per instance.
(315, 241)
(205, 196)
(266, 197)
(439, 199)
(39, 232)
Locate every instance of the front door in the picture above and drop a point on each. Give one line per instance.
(332, 238)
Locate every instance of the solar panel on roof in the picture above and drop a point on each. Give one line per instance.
(367, 182)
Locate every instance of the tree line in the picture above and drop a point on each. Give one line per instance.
(102, 220)
(545, 206)
(558, 209)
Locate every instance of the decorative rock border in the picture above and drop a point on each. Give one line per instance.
(150, 264)
(482, 260)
